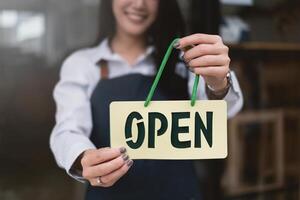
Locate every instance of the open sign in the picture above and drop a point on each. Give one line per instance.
(170, 129)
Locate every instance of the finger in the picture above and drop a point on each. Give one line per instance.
(209, 60)
(204, 49)
(198, 38)
(101, 155)
(110, 179)
(212, 71)
(96, 182)
(106, 167)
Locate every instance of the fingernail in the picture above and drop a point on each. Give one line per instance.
(191, 69)
(125, 157)
(182, 58)
(129, 163)
(187, 63)
(176, 44)
(122, 149)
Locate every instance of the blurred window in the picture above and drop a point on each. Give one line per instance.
(22, 29)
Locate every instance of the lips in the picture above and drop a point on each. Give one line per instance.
(136, 17)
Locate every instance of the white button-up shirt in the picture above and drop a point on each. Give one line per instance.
(78, 78)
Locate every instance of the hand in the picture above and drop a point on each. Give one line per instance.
(207, 56)
(108, 164)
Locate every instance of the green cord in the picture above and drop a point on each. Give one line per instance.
(195, 88)
(160, 71)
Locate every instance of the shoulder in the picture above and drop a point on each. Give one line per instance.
(79, 62)
(82, 56)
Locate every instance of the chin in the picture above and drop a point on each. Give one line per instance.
(136, 31)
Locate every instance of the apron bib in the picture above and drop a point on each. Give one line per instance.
(146, 179)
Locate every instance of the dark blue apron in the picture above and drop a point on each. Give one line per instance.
(146, 179)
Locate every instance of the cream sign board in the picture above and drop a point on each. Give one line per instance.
(170, 129)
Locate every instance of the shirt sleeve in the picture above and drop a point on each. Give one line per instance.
(70, 136)
(234, 97)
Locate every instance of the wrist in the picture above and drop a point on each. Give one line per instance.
(76, 168)
(219, 86)
(220, 91)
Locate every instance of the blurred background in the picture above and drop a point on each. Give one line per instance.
(264, 139)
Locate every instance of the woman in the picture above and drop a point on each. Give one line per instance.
(134, 36)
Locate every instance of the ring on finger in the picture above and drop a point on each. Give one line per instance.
(98, 180)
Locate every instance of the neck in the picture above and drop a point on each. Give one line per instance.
(130, 47)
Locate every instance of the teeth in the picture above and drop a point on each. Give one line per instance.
(136, 17)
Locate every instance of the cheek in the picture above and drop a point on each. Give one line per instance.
(117, 8)
(153, 6)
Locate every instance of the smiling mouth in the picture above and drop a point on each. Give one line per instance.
(136, 17)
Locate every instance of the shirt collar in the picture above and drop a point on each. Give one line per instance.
(104, 52)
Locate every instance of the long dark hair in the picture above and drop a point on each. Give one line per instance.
(168, 25)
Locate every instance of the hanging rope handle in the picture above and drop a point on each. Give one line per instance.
(159, 73)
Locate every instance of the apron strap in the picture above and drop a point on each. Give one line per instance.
(104, 72)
